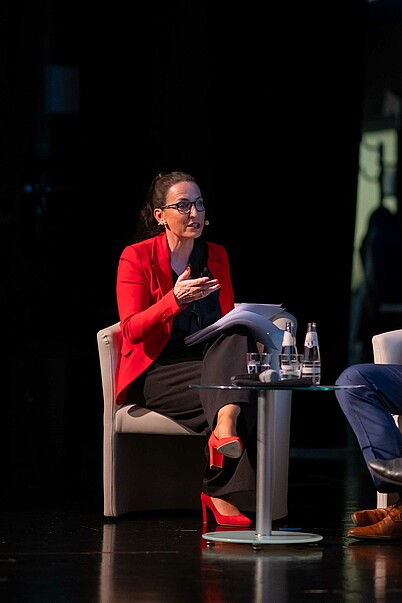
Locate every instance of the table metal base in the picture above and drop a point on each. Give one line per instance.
(251, 537)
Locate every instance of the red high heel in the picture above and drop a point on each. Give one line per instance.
(218, 448)
(239, 521)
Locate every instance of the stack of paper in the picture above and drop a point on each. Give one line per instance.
(254, 316)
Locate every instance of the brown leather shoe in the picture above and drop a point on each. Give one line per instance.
(370, 516)
(387, 529)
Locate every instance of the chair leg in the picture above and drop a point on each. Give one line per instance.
(384, 499)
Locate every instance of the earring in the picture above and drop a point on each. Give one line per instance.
(163, 223)
(206, 222)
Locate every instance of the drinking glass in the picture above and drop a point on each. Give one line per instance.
(257, 362)
(290, 366)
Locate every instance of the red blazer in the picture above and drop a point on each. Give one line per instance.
(147, 304)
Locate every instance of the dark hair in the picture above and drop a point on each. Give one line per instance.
(146, 225)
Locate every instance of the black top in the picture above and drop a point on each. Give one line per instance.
(195, 316)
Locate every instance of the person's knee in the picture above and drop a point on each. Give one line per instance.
(352, 375)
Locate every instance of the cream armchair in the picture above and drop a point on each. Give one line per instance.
(150, 462)
(387, 349)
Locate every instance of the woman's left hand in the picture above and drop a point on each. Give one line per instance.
(187, 289)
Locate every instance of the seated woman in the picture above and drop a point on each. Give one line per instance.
(172, 282)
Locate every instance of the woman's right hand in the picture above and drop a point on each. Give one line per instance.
(188, 289)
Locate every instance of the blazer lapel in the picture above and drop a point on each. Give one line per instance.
(160, 259)
(215, 265)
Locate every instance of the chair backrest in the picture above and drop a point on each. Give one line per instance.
(387, 347)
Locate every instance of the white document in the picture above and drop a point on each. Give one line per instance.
(254, 316)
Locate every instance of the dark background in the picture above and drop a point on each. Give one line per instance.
(263, 104)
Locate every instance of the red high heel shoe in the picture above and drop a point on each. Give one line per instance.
(239, 521)
(218, 448)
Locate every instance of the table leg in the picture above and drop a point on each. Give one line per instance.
(265, 451)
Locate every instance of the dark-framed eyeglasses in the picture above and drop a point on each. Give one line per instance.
(184, 207)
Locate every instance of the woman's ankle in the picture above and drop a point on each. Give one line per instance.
(227, 421)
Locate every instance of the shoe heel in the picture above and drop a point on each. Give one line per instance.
(207, 512)
(215, 458)
(204, 512)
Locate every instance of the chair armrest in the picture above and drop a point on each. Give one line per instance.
(109, 344)
(282, 318)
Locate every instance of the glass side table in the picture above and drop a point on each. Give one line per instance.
(263, 534)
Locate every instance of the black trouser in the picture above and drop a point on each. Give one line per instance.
(165, 389)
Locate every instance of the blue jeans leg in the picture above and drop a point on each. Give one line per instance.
(369, 411)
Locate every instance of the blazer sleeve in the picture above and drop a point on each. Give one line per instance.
(145, 310)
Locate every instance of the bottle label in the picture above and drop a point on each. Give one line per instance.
(312, 369)
(287, 338)
(311, 340)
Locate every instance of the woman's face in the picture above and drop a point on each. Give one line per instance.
(184, 222)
